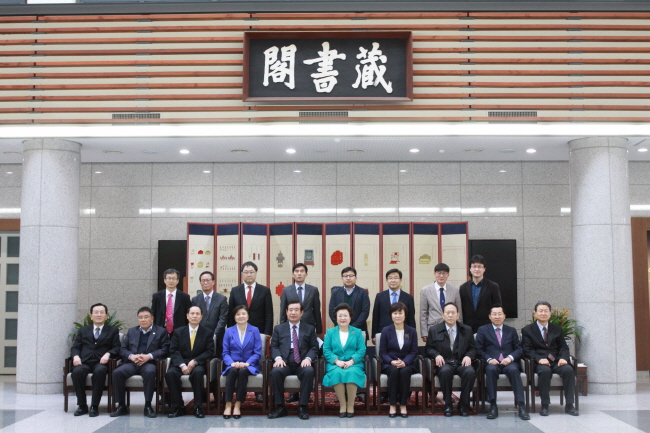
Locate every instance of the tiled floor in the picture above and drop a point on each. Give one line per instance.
(598, 413)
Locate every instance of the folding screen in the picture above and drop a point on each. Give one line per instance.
(309, 250)
(396, 247)
(367, 259)
(228, 260)
(453, 251)
(338, 255)
(280, 261)
(425, 258)
(200, 257)
(254, 248)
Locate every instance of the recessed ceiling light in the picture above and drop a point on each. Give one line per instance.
(337, 140)
(502, 171)
(184, 151)
(238, 151)
(531, 150)
(291, 151)
(642, 149)
(11, 153)
(414, 150)
(112, 151)
(402, 171)
(297, 171)
(10, 172)
(441, 151)
(508, 150)
(98, 172)
(150, 152)
(206, 171)
(474, 150)
(355, 150)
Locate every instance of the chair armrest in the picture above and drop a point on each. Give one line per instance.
(67, 366)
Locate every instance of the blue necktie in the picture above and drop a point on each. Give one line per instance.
(442, 298)
(394, 295)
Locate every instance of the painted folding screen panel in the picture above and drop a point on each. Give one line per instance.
(338, 255)
(425, 258)
(227, 269)
(254, 248)
(453, 251)
(309, 250)
(280, 261)
(367, 259)
(396, 252)
(201, 256)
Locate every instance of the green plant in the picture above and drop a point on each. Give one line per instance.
(110, 321)
(561, 319)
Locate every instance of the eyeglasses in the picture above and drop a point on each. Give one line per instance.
(171, 278)
(442, 273)
(477, 267)
(205, 281)
(393, 278)
(98, 313)
(249, 272)
(349, 276)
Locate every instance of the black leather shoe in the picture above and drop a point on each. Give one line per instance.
(494, 412)
(82, 410)
(302, 412)
(522, 413)
(119, 411)
(294, 397)
(463, 410)
(544, 410)
(571, 410)
(350, 414)
(278, 412)
(93, 412)
(392, 415)
(404, 415)
(227, 416)
(449, 411)
(180, 411)
(237, 416)
(259, 398)
(149, 412)
(343, 414)
(198, 412)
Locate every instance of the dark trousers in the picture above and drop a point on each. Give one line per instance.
(305, 375)
(79, 375)
(197, 379)
(399, 382)
(128, 369)
(545, 373)
(467, 378)
(513, 373)
(237, 378)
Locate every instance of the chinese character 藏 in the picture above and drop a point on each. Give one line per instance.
(371, 74)
(325, 79)
(279, 69)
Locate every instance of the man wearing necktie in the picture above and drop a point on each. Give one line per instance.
(478, 295)
(499, 346)
(544, 343)
(381, 316)
(170, 306)
(93, 346)
(293, 347)
(433, 298)
(214, 307)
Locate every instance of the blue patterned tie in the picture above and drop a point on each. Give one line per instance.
(442, 298)
(394, 295)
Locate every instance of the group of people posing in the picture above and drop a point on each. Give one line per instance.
(458, 325)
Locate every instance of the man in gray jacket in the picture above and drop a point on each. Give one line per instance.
(433, 298)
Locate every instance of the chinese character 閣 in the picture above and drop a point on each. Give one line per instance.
(278, 70)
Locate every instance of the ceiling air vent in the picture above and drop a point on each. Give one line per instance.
(123, 116)
(521, 114)
(320, 117)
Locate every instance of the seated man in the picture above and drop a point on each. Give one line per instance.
(499, 346)
(142, 345)
(451, 347)
(190, 348)
(293, 347)
(544, 343)
(90, 352)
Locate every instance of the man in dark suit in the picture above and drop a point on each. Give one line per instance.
(451, 347)
(306, 294)
(478, 295)
(190, 348)
(293, 347)
(170, 306)
(499, 346)
(544, 343)
(353, 295)
(384, 299)
(214, 307)
(142, 346)
(256, 297)
(93, 346)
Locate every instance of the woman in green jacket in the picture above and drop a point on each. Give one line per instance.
(344, 349)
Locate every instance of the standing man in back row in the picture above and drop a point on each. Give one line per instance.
(170, 306)
(478, 295)
(433, 298)
(214, 308)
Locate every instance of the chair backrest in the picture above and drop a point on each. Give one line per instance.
(263, 337)
(377, 340)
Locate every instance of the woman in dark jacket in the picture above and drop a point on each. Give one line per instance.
(398, 350)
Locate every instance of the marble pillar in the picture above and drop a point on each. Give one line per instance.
(602, 262)
(49, 231)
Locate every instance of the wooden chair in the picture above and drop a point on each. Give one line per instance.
(69, 387)
(477, 394)
(556, 383)
(503, 384)
(365, 389)
(292, 383)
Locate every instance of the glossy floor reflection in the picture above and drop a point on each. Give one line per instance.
(599, 413)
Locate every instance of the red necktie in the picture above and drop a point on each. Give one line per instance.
(249, 296)
(169, 314)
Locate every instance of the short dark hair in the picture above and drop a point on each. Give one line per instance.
(343, 306)
(206, 272)
(347, 269)
(399, 306)
(295, 302)
(240, 307)
(392, 271)
(543, 303)
(251, 264)
(171, 271)
(441, 267)
(99, 304)
(192, 306)
(450, 303)
(477, 259)
(143, 310)
(299, 265)
(496, 306)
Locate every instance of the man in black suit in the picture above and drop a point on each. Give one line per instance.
(451, 347)
(306, 294)
(93, 346)
(499, 346)
(293, 347)
(544, 343)
(214, 307)
(142, 346)
(256, 297)
(190, 348)
(170, 306)
(478, 295)
(384, 299)
(356, 297)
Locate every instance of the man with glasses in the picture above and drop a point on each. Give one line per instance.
(478, 295)
(93, 346)
(214, 307)
(170, 306)
(384, 299)
(356, 297)
(433, 298)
